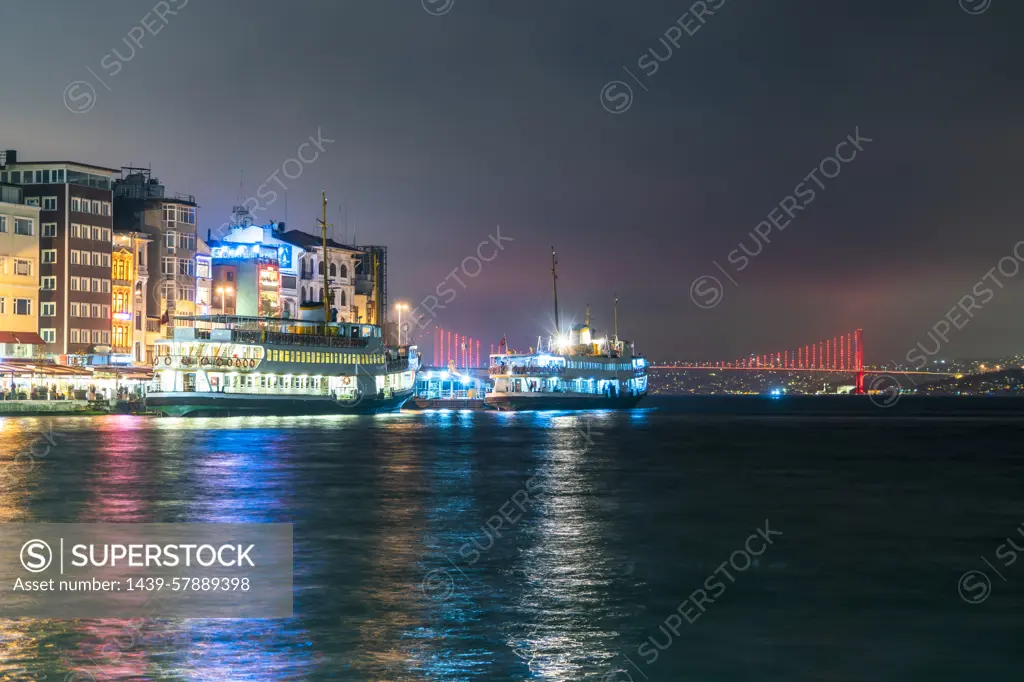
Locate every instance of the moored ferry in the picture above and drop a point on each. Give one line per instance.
(575, 372)
(234, 366)
(572, 371)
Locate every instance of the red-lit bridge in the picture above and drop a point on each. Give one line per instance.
(840, 354)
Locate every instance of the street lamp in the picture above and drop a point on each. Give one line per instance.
(400, 307)
(223, 291)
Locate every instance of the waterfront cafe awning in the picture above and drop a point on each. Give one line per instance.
(122, 372)
(24, 367)
(25, 338)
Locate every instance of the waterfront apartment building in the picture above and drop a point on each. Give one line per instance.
(74, 258)
(204, 278)
(19, 276)
(141, 205)
(130, 278)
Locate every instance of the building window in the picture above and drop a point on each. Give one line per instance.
(3, 223)
(96, 310)
(334, 270)
(49, 335)
(105, 286)
(24, 226)
(84, 310)
(96, 234)
(76, 204)
(23, 306)
(96, 207)
(76, 230)
(96, 337)
(230, 276)
(74, 257)
(169, 215)
(22, 266)
(344, 270)
(49, 283)
(106, 208)
(32, 201)
(74, 336)
(3, 305)
(105, 234)
(73, 284)
(49, 203)
(48, 309)
(105, 312)
(49, 230)
(105, 260)
(74, 310)
(168, 265)
(49, 255)
(95, 285)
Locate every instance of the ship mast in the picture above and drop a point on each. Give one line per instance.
(554, 281)
(616, 321)
(327, 297)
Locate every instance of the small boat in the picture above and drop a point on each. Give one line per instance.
(572, 371)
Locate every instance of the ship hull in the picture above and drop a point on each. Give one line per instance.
(242, 405)
(522, 402)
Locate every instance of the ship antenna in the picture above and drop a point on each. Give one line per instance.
(588, 314)
(323, 228)
(554, 281)
(616, 320)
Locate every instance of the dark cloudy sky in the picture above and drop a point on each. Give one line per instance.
(490, 114)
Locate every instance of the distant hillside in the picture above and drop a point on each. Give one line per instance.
(1009, 380)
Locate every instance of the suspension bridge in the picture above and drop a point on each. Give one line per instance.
(842, 354)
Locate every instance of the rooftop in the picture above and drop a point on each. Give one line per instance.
(309, 241)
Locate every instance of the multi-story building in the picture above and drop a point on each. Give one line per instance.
(130, 279)
(246, 279)
(19, 277)
(141, 205)
(297, 277)
(75, 235)
(204, 278)
(343, 262)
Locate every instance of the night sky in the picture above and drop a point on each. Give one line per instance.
(451, 117)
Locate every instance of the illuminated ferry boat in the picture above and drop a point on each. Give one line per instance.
(228, 365)
(574, 371)
(239, 366)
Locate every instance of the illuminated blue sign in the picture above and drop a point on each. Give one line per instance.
(239, 251)
(284, 257)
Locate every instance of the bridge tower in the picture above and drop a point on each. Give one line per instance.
(858, 340)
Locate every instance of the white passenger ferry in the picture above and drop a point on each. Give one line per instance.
(231, 366)
(573, 371)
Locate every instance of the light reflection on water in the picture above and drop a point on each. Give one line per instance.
(635, 509)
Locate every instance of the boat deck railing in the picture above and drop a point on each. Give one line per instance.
(525, 370)
(285, 339)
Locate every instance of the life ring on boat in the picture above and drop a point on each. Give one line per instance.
(219, 362)
(238, 362)
(167, 359)
(346, 380)
(204, 360)
(186, 361)
(252, 363)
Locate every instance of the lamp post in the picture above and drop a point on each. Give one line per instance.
(400, 307)
(224, 291)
